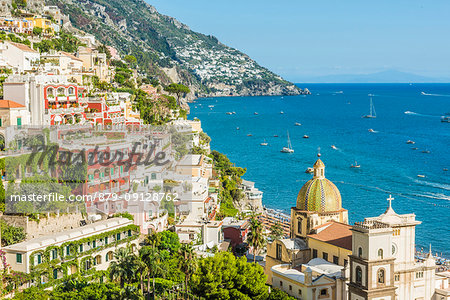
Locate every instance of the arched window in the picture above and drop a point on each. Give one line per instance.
(50, 92)
(61, 91)
(380, 253)
(71, 91)
(359, 252)
(358, 275)
(380, 277)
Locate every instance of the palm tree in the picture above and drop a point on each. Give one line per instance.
(188, 263)
(123, 268)
(256, 237)
(155, 264)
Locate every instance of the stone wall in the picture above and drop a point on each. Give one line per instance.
(45, 225)
(5, 8)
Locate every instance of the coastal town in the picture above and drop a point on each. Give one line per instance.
(146, 209)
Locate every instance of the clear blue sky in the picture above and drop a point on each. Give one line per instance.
(298, 38)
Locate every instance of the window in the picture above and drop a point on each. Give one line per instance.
(0, 122)
(106, 240)
(345, 262)
(94, 244)
(299, 226)
(39, 259)
(67, 250)
(118, 237)
(300, 292)
(71, 91)
(380, 277)
(358, 275)
(335, 260)
(281, 283)
(314, 253)
(325, 256)
(129, 232)
(323, 292)
(419, 274)
(290, 287)
(54, 254)
(55, 274)
(380, 253)
(359, 252)
(397, 277)
(81, 248)
(279, 251)
(19, 258)
(153, 176)
(19, 121)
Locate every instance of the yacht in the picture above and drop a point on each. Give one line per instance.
(355, 165)
(288, 149)
(255, 113)
(229, 113)
(281, 112)
(237, 128)
(265, 143)
(371, 130)
(309, 170)
(372, 114)
(298, 124)
(410, 142)
(210, 106)
(421, 176)
(249, 134)
(306, 136)
(445, 118)
(334, 147)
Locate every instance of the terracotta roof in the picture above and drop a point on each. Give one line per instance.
(23, 47)
(10, 104)
(71, 56)
(334, 233)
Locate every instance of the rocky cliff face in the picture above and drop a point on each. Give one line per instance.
(164, 46)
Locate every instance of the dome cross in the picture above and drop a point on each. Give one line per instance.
(390, 200)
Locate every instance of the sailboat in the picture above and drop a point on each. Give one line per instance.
(355, 165)
(372, 114)
(265, 143)
(288, 149)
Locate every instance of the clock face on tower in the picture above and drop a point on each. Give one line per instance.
(394, 249)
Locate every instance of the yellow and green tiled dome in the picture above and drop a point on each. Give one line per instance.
(319, 194)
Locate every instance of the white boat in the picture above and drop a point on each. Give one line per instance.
(372, 114)
(233, 112)
(281, 112)
(445, 118)
(237, 128)
(355, 165)
(288, 149)
(410, 142)
(309, 170)
(306, 136)
(265, 143)
(421, 176)
(229, 113)
(371, 130)
(255, 113)
(298, 124)
(426, 151)
(334, 147)
(210, 106)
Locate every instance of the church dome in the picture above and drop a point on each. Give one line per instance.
(319, 194)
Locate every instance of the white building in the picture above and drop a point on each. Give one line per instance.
(75, 250)
(19, 56)
(383, 265)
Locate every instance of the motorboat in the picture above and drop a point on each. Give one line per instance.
(306, 136)
(334, 147)
(281, 112)
(371, 130)
(425, 151)
(414, 148)
(298, 124)
(255, 113)
(309, 170)
(410, 142)
(229, 113)
(276, 135)
(237, 128)
(249, 134)
(421, 176)
(264, 143)
(355, 165)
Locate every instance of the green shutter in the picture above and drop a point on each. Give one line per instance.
(19, 258)
(106, 240)
(19, 121)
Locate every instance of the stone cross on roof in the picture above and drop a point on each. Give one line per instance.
(390, 200)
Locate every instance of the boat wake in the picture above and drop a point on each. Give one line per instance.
(437, 185)
(420, 115)
(434, 95)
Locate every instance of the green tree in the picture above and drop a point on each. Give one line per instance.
(188, 263)
(255, 236)
(122, 269)
(178, 89)
(37, 31)
(11, 234)
(276, 231)
(130, 59)
(155, 264)
(226, 277)
(277, 294)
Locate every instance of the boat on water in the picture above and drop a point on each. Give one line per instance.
(281, 112)
(425, 151)
(276, 135)
(249, 134)
(306, 136)
(210, 106)
(264, 143)
(229, 113)
(423, 93)
(288, 149)
(372, 113)
(445, 169)
(334, 147)
(309, 170)
(233, 112)
(255, 113)
(410, 142)
(237, 128)
(371, 130)
(355, 165)
(445, 118)
(414, 148)
(421, 176)
(298, 124)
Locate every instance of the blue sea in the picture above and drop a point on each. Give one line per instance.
(332, 116)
